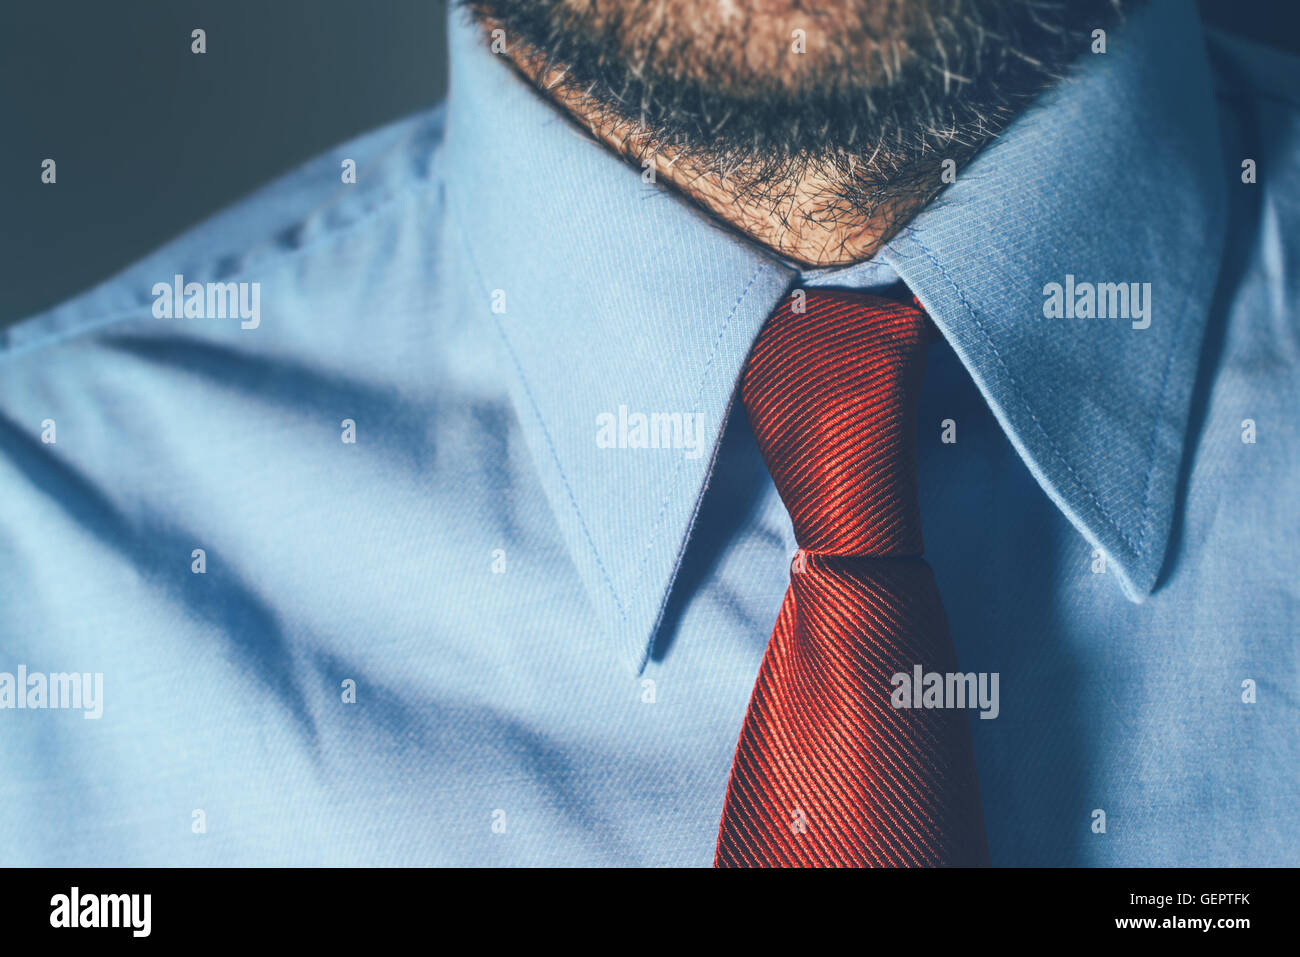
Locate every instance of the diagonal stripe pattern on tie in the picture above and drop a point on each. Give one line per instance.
(828, 772)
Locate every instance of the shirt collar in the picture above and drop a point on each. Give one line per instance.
(609, 295)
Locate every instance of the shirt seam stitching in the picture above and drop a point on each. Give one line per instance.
(537, 414)
(704, 376)
(89, 324)
(1020, 398)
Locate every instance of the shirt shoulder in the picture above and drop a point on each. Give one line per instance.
(345, 190)
(1246, 70)
(1258, 89)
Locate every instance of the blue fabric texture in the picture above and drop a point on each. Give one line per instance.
(551, 642)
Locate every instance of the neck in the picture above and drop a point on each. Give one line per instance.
(804, 219)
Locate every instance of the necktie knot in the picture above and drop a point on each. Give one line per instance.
(831, 389)
(828, 769)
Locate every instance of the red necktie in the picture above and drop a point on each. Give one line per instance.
(828, 772)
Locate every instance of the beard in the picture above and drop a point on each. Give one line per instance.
(869, 96)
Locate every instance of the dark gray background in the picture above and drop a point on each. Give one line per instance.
(150, 138)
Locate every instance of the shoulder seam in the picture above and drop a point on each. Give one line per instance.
(91, 323)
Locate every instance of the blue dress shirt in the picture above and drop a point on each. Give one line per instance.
(364, 586)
